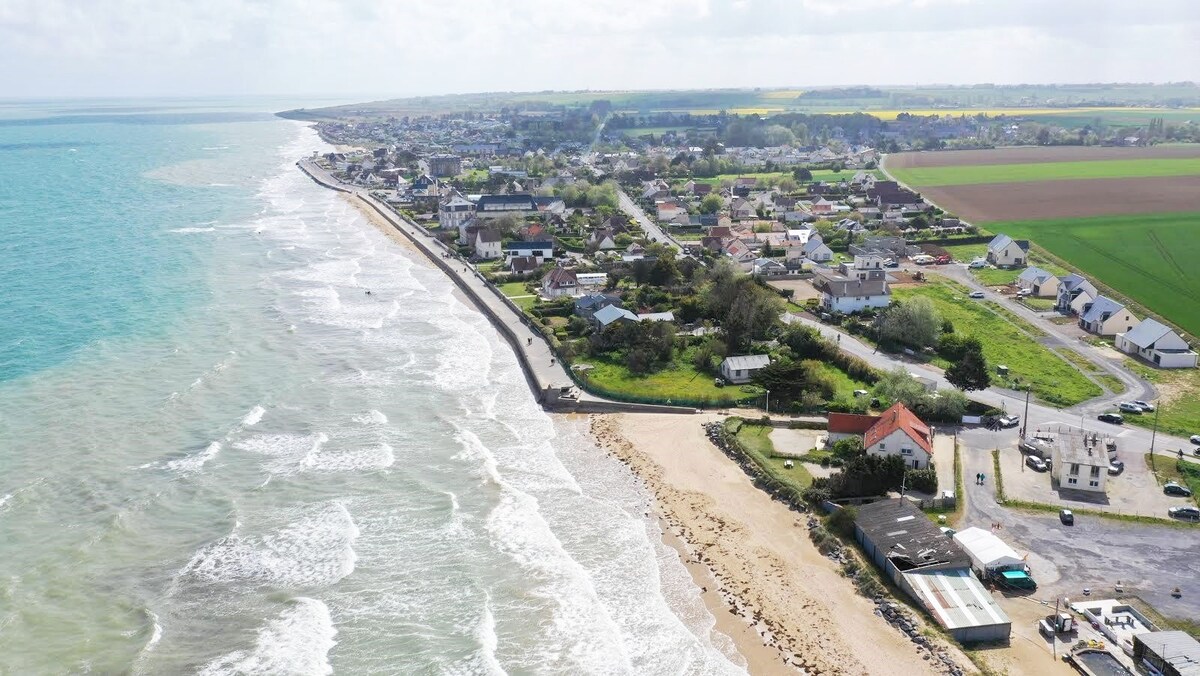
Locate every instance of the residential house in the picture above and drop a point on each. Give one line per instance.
(559, 282)
(1038, 282)
(541, 251)
(656, 317)
(1157, 344)
(801, 235)
(609, 314)
(1005, 252)
(603, 239)
(587, 305)
(1106, 317)
(822, 207)
(453, 214)
(900, 432)
(739, 251)
(741, 208)
(522, 265)
(742, 185)
(815, 249)
(496, 206)
(765, 267)
(1079, 462)
(487, 244)
(667, 210)
(861, 265)
(1073, 292)
(851, 294)
(847, 425)
(741, 369)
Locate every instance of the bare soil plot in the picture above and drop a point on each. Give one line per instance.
(802, 289)
(1030, 154)
(1032, 200)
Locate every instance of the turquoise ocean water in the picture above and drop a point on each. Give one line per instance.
(219, 455)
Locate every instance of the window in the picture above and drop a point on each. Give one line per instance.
(1075, 469)
(882, 446)
(1094, 484)
(1095, 472)
(1072, 481)
(906, 451)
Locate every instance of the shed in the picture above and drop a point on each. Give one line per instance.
(1172, 653)
(988, 553)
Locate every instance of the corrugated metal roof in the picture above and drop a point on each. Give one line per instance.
(1177, 648)
(747, 362)
(956, 598)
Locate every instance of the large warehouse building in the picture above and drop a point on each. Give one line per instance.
(1170, 653)
(931, 568)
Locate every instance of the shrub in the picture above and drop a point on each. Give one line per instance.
(923, 480)
(842, 521)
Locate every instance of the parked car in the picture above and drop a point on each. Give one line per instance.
(1129, 407)
(1172, 488)
(1009, 421)
(977, 264)
(1113, 418)
(1066, 517)
(1024, 292)
(977, 294)
(1144, 405)
(1035, 463)
(943, 260)
(1115, 467)
(1195, 439)
(892, 263)
(1186, 513)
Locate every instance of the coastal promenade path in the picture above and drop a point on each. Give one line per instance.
(545, 374)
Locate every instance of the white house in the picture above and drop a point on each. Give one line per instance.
(900, 432)
(1157, 344)
(454, 213)
(851, 294)
(542, 251)
(1039, 282)
(1004, 251)
(816, 250)
(1106, 317)
(487, 244)
(1079, 462)
(1074, 291)
(738, 370)
(668, 210)
(559, 282)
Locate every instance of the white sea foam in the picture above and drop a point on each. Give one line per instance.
(297, 642)
(371, 417)
(315, 550)
(192, 230)
(253, 416)
(194, 462)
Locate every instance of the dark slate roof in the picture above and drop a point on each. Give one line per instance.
(910, 539)
(529, 246)
(514, 202)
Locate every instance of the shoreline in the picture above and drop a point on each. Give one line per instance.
(786, 606)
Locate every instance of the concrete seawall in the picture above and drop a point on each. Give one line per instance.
(499, 311)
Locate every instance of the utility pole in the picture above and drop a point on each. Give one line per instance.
(1025, 418)
(1054, 631)
(1153, 434)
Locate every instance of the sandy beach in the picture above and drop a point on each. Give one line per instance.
(784, 604)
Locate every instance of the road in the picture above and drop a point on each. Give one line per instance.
(651, 228)
(1131, 441)
(1095, 553)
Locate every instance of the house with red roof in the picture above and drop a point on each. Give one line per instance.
(900, 432)
(846, 425)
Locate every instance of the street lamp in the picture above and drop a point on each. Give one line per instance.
(768, 402)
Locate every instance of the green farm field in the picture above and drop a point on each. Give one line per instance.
(1151, 259)
(1046, 171)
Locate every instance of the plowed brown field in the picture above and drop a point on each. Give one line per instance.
(1036, 154)
(1067, 199)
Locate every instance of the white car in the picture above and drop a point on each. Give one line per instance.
(1195, 439)
(1145, 405)
(977, 264)
(976, 295)
(1128, 407)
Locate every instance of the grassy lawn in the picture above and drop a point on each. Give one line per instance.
(756, 440)
(1149, 258)
(1179, 408)
(966, 252)
(1015, 319)
(1052, 379)
(1039, 304)
(1167, 467)
(845, 384)
(1047, 171)
(679, 382)
(826, 175)
(511, 289)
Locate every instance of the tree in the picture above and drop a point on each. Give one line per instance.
(915, 323)
(802, 174)
(711, 203)
(787, 185)
(788, 380)
(970, 371)
(898, 385)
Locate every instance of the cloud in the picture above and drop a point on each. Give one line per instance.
(171, 47)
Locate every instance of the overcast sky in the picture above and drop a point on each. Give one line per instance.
(401, 47)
